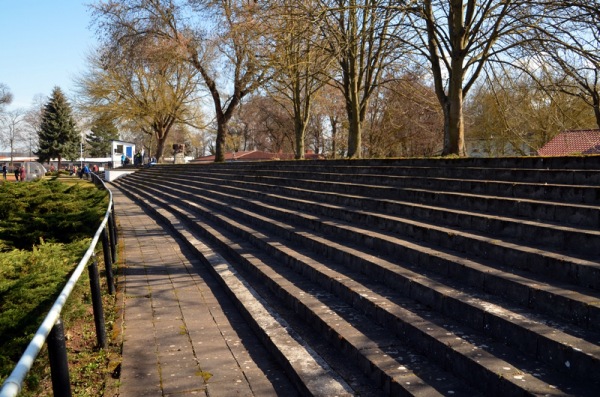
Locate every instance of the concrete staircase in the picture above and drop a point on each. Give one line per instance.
(405, 277)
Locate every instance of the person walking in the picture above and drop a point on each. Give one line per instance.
(4, 171)
(138, 159)
(22, 171)
(17, 173)
(85, 172)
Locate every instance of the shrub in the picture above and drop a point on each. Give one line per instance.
(48, 211)
(45, 228)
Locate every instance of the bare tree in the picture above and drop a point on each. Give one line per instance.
(15, 129)
(458, 38)
(568, 50)
(329, 113)
(218, 37)
(297, 54)
(514, 113)
(405, 119)
(265, 125)
(362, 36)
(33, 117)
(199, 143)
(145, 87)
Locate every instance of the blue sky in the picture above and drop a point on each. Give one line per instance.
(43, 44)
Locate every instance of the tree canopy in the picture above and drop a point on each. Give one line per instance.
(370, 51)
(58, 135)
(217, 38)
(143, 85)
(103, 131)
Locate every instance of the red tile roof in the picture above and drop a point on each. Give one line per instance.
(572, 142)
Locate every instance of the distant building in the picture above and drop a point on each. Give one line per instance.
(572, 142)
(19, 158)
(489, 147)
(256, 155)
(120, 148)
(5, 157)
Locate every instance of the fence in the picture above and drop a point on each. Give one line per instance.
(51, 330)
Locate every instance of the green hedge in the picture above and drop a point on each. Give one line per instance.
(45, 228)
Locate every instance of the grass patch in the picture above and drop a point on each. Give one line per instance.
(45, 228)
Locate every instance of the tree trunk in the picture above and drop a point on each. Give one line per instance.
(354, 139)
(220, 141)
(160, 149)
(161, 130)
(222, 115)
(355, 122)
(349, 66)
(596, 105)
(333, 123)
(299, 132)
(454, 129)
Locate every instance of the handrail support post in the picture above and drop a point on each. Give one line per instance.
(112, 227)
(59, 367)
(108, 262)
(97, 303)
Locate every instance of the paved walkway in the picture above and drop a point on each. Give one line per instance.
(182, 334)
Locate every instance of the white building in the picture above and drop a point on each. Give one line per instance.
(118, 149)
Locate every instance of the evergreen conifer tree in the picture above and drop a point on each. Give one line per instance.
(103, 131)
(58, 135)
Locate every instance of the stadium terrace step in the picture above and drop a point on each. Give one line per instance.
(542, 190)
(553, 237)
(586, 216)
(334, 249)
(425, 297)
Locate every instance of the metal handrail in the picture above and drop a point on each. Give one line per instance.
(12, 385)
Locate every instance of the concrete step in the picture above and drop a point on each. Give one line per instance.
(310, 373)
(355, 296)
(552, 171)
(539, 191)
(396, 369)
(530, 291)
(511, 254)
(575, 307)
(536, 163)
(553, 237)
(566, 213)
(387, 257)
